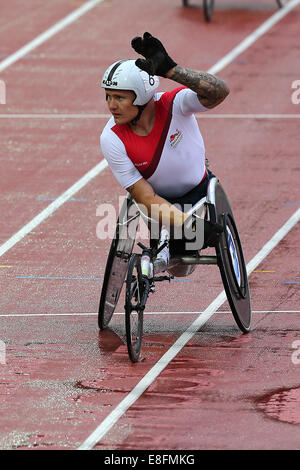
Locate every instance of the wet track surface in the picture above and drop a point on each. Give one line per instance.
(223, 390)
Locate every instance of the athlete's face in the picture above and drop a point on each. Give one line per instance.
(120, 105)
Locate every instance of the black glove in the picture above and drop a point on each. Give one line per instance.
(157, 60)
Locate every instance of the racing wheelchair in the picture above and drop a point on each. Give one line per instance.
(209, 5)
(140, 271)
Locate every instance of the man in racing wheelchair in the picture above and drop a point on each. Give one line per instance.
(152, 142)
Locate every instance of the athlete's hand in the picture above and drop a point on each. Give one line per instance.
(157, 61)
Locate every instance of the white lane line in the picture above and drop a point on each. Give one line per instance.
(248, 116)
(56, 28)
(122, 313)
(107, 116)
(52, 207)
(92, 3)
(55, 116)
(189, 333)
(277, 237)
(249, 40)
(148, 379)
(98, 168)
(153, 373)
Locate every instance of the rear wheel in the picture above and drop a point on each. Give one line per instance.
(135, 290)
(231, 263)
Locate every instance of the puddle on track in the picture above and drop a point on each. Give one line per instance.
(283, 405)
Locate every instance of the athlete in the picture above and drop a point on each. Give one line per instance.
(152, 142)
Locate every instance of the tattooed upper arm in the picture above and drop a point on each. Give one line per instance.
(210, 90)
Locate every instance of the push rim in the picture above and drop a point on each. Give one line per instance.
(230, 255)
(235, 257)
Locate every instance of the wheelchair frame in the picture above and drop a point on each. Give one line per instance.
(122, 265)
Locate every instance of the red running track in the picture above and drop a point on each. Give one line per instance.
(223, 390)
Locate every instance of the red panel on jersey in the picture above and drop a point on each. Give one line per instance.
(145, 151)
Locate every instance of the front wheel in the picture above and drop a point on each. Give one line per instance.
(134, 307)
(117, 261)
(208, 8)
(282, 3)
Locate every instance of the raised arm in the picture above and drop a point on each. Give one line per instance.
(210, 90)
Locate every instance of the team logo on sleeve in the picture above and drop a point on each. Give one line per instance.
(175, 138)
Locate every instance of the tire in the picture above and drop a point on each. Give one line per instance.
(282, 3)
(231, 263)
(135, 289)
(185, 3)
(208, 9)
(117, 262)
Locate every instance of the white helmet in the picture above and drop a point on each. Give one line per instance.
(125, 75)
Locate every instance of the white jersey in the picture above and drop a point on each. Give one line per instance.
(171, 158)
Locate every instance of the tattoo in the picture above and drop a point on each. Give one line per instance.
(131, 188)
(210, 89)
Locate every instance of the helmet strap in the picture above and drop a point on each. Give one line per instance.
(137, 117)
